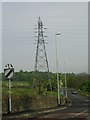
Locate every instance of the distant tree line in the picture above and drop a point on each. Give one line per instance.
(77, 81)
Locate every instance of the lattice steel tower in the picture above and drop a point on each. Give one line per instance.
(41, 61)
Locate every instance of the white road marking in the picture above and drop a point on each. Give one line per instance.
(80, 113)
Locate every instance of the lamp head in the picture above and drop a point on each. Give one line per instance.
(58, 33)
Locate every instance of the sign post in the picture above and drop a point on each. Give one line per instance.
(9, 71)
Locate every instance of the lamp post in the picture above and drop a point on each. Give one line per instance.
(57, 34)
(65, 79)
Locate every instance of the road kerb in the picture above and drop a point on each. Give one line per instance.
(53, 110)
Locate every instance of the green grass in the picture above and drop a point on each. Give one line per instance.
(16, 84)
(27, 91)
(24, 88)
(20, 91)
(18, 88)
(84, 93)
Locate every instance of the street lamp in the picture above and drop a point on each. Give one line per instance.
(57, 34)
(65, 79)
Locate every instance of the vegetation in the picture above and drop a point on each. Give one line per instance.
(22, 83)
(85, 88)
(24, 91)
(77, 81)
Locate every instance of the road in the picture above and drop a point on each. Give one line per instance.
(77, 110)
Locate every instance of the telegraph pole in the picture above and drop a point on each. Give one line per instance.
(41, 61)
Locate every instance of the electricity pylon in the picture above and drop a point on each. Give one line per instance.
(41, 61)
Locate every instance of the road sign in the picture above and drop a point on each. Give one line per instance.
(9, 71)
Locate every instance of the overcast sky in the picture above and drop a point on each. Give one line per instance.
(18, 23)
